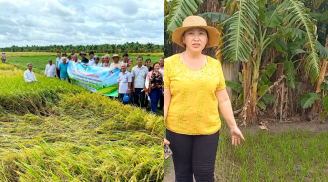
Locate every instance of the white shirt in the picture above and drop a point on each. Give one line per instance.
(161, 70)
(91, 62)
(58, 61)
(113, 65)
(29, 76)
(97, 65)
(50, 70)
(78, 61)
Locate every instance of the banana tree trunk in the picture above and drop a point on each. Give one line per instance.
(246, 84)
(316, 105)
(254, 95)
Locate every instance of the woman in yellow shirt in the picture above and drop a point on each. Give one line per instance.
(194, 90)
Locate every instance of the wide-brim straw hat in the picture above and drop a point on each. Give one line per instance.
(82, 53)
(199, 22)
(116, 55)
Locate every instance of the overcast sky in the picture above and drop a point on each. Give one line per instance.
(80, 22)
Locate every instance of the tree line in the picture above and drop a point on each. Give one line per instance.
(132, 47)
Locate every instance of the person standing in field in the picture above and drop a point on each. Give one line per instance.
(124, 83)
(75, 59)
(125, 59)
(50, 70)
(84, 60)
(148, 65)
(58, 61)
(139, 74)
(195, 90)
(102, 59)
(29, 76)
(150, 69)
(117, 64)
(3, 57)
(63, 69)
(96, 61)
(107, 63)
(129, 69)
(155, 88)
(130, 65)
(161, 69)
(91, 60)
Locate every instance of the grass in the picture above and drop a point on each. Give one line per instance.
(55, 131)
(264, 156)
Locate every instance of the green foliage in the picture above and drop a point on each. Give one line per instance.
(242, 25)
(295, 15)
(308, 99)
(268, 98)
(128, 47)
(180, 10)
(290, 73)
(235, 86)
(261, 105)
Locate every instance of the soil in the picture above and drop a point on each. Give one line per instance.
(273, 127)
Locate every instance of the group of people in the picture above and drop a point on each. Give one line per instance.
(141, 82)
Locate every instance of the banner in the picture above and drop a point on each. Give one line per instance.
(102, 80)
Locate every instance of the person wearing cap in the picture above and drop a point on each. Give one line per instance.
(96, 61)
(91, 60)
(50, 70)
(58, 61)
(63, 69)
(84, 60)
(106, 59)
(29, 76)
(3, 57)
(194, 89)
(117, 64)
(124, 83)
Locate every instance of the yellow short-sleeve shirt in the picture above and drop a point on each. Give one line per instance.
(193, 108)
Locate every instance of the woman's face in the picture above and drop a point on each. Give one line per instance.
(148, 63)
(195, 39)
(156, 67)
(130, 62)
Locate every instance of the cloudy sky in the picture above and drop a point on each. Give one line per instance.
(80, 22)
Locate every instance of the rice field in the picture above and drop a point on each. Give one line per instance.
(55, 131)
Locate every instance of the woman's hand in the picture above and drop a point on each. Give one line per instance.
(236, 136)
(166, 142)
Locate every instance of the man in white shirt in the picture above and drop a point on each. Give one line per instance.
(117, 64)
(50, 70)
(29, 76)
(75, 60)
(97, 64)
(91, 60)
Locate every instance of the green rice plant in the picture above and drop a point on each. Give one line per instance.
(6, 67)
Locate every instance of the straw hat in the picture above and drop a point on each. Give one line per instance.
(116, 55)
(196, 21)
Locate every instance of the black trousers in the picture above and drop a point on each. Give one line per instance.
(139, 95)
(58, 74)
(161, 103)
(193, 155)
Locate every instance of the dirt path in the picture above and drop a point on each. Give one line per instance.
(273, 128)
